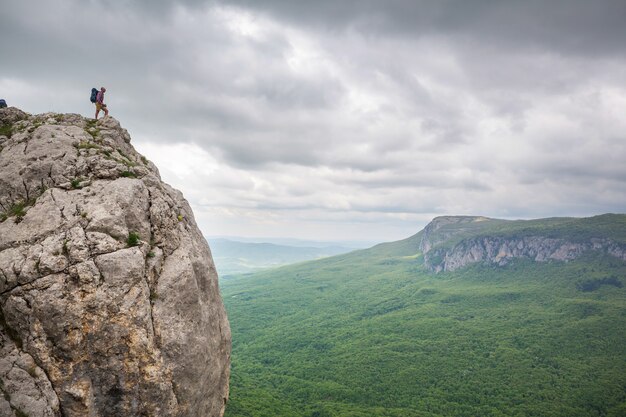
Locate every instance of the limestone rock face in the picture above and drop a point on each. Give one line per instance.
(498, 250)
(109, 298)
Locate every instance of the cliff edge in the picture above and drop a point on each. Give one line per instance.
(109, 298)
(453, 242)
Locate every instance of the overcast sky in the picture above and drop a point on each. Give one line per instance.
(344, 120)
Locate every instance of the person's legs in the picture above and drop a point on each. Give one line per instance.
(97, 110)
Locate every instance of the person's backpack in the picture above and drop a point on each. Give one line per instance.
(94, 95)
(3, 103)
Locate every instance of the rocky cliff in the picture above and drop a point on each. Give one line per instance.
(452, 242)
(109, 297)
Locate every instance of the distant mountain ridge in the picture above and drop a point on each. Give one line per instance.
(449, 243)
(234, 257)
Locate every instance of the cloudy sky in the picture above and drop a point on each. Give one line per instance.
(344, 120)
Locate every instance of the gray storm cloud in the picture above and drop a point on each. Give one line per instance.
(324, 116)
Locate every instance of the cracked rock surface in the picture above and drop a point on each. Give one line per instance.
(109, 298)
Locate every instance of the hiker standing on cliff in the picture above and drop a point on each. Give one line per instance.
(100, 103)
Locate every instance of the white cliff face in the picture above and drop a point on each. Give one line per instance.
(109, 296)
(500, 250)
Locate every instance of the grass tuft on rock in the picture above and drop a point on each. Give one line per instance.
(133, 239)
(6, 130)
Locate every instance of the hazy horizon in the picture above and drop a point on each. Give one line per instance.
(294, 241)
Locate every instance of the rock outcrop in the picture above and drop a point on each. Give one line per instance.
(452, 242)
(109, 297)
(435, 232)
